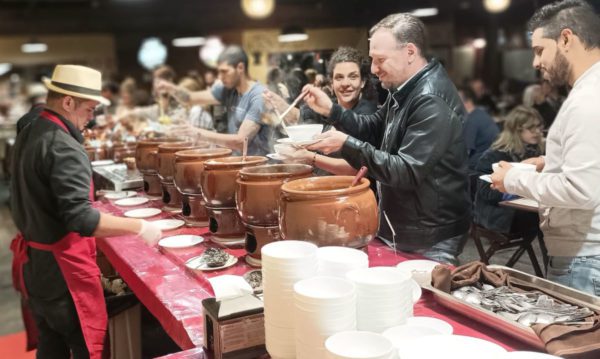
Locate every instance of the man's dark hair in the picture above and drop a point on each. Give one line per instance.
(406, 28)
(467, 93)
(576, 15)
(165, 72)
(233, 55)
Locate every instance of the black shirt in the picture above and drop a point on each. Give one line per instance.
(50, 197)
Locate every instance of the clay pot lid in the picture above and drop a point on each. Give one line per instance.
(234, 162)
(275, 171)
(324, 186)
(201, 153)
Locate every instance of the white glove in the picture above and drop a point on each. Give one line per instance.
(150, 233)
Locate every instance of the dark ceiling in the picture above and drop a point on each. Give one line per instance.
(202, 17)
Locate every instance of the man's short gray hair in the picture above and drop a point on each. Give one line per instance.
(405, 28)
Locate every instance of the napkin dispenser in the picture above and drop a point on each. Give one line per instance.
(234, 328)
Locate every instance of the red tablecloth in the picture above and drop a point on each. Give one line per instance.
(174, 295)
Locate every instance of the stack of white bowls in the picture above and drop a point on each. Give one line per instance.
(323, 306)
(359, 345)
(337, 261)
(384, 297)
(283, 264)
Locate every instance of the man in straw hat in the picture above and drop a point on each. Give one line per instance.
(54, 265)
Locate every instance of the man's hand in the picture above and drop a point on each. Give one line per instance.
(498, 176)
(180, 94)
(537, 161)
(318, 100)
(331, 141)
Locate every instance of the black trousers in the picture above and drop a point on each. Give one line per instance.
(60, 333)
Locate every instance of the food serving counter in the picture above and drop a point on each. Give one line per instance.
(173, 294)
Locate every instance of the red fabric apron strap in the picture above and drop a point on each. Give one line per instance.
(76, 258)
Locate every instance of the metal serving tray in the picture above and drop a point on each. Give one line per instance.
(509, 327)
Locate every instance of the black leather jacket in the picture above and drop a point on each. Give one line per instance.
(414, 147)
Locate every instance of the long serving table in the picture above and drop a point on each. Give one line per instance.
(173, 294)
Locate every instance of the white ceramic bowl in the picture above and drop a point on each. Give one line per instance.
(324, 289)
(450, 347)
(303, 132)
(378, 277)
(358, 345)
(282, 252)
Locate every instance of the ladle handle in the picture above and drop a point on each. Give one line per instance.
(245, 149)
(360, 174)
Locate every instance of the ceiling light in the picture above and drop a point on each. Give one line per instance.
(258, 9)
(292, 34)
(425, 12)
(152, 53)
(209, 53)
(496, 6)
(33, 47)
(479, 43)
(189, 41)
(4, 68)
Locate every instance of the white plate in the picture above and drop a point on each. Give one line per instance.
(416, 291)
(276, 156)
(450, 347)
(440, 325)
(289, 141)
(142, 212)
(180, 241)
(133, 201)
(486, 178)
(119, 195)
(102, 163)
(196, 263)
(169, 224)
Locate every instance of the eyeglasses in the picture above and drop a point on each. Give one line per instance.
(534, 128)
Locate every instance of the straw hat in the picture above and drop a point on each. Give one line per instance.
(77, 81)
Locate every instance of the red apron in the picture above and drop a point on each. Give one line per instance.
(76, 257)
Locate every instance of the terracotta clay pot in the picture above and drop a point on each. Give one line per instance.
(165, 162)
(152, 186)
(144, 160)
(258, 189)
(256, 238)
(189, 165)
(219, 179)
(328, 212)
(226, 226)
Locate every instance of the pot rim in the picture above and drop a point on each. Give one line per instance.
(201, 153)
(158, 141)
(248, 172)
(289, 187)
(174, 147)
(218, 163)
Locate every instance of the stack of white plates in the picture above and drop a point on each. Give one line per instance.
(283, 264)
(323, 306)
(384, 297)
(359, 345)
(337, 261)
(402, 334)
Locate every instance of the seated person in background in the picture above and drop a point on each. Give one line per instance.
(520, 139)
(480, 129)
